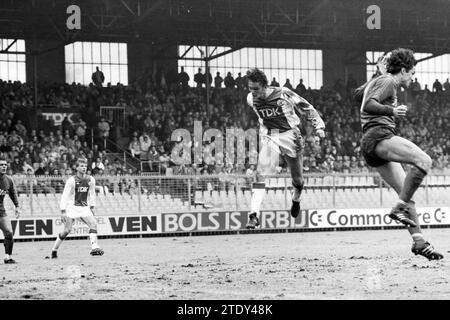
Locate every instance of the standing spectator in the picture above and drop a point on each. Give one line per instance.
(300, 88)
(98, 78)
(80, 130)
(183, 78)
(199, 78)
(218, 80)
(103, 127)
(415, 87)
(229, 81)
(447, 87)
(153, 158)
(239, 81)
(437, 86)
(274, 83)
(288, 84)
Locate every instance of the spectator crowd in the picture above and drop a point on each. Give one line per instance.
(155, 108)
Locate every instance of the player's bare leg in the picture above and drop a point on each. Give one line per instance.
(398, 149)
(61, 236)
(8, 242)
(296, 168)
(92, 224)
(394, 175)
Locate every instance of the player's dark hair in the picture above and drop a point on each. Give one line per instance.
(400, 58)
(256, 75)
(3, 158)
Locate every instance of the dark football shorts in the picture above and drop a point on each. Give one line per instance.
(369, 142)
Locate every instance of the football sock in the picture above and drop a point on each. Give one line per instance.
(413, 216)
(418, 238)
(8, 242)
(57, 243)
(258, 191)
(412, 181)
(93, 238)
(297, 192)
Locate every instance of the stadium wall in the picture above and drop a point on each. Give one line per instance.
(49, 66)
(143, 57)
(340, 63)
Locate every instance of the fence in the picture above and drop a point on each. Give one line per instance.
(114, 114)
(39, 195)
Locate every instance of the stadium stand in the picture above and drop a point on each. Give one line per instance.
(154, 112)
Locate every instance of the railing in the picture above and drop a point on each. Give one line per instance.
(115, 114)
(125, 155)
(148, 193)
(151, 165)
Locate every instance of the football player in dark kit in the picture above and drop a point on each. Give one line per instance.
(384, 150)
(78, 202)
(7, 187)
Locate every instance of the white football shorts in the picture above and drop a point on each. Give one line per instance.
(78, 212)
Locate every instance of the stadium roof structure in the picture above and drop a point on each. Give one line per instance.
(423, 25)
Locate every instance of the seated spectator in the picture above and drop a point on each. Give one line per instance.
(16, 166)
(145, 144)
(135, 148)
(97, 166)
(27, 166)
(20, 128)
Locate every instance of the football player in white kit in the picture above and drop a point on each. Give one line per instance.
(278, 110)
(78, 202)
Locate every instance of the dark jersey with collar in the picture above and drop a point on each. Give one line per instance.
(383, 89)
(7, 187)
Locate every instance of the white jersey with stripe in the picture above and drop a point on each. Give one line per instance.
(78, 192)
(281, 109)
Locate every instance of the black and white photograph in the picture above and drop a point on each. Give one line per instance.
(224, 155)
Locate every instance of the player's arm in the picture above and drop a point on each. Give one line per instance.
(262, 128)
(382, 89)
(14, 198)
(358, 94)
(68, 190)
(305, 107)
(91, 198)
